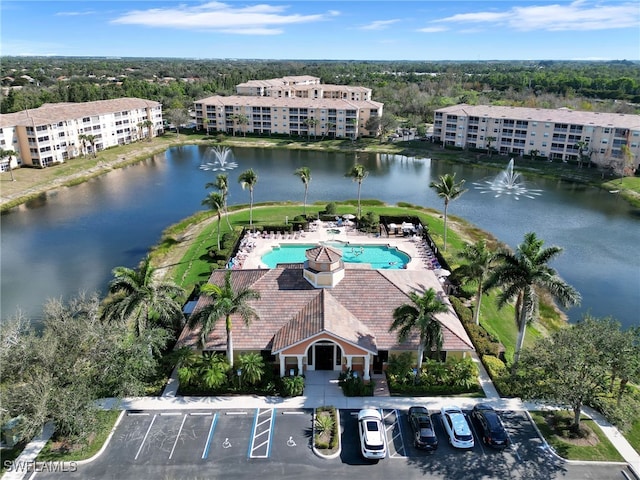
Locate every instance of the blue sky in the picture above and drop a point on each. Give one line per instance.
(328, 29)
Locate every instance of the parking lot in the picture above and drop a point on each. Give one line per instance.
(276, 443)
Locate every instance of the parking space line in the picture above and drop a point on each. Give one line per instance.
(296, 412)
(207, 446)
(473, 427)
(137, 414)
(170, 414)
(236, 413)
(145, 436)
(257, 423)
(184, 419)
(399, 453)
(205, 414)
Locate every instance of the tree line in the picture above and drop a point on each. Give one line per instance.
(411, 90)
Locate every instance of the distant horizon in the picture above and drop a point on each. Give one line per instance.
(330, 30)
(488, 60)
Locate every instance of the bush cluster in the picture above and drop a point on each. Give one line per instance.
(353, 385)
(291, 386)
(451, 377)
(483, 341)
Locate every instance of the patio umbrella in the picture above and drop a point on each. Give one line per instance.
(348, 216)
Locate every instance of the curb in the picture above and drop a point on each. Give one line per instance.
(313, 437)
(106, 442)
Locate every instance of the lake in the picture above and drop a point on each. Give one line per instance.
(70, 240)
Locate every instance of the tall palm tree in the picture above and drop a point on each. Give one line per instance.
(149, 126)
(139, 298)
(222, 184)
(9, 154)
(582, 147)
(490, 140)
(358, 173)
(522, 274)
(243, 121)
(419, 316)
(311, 123)
(215, 202)
(449, 190)
(477, 269)
(305, 175)
(249, 179)
(225, 302)
(83, 141)
(92, 141)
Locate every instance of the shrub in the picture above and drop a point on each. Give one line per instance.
(292, 386)
(400, 368)
(331, 208)
(354, 386)
(499, 374)
(464, 313)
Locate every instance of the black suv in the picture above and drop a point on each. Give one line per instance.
(491, 427)
(424, 435)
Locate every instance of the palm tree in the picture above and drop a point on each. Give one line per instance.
(139, 298)
(149, 126)
(92, 141)
(83, 141)
(419, 315)
(205, 124)
(243, 121)
(225, 302)
(9, 154)
(449, 190)
(222, 184)
(215, 202)
(490, 140)
(252, 367)
(358, 173)
(311, 123)
(305, 175)
(522, 274)
(477, 269)
(582, 147)
(249, 179)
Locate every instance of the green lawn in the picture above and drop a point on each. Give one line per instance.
(86, 448)
(603, 450)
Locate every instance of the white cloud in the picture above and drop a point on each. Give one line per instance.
(433, 29)
(578, 15)
(379, 24)
(259, 19)
(75, 14)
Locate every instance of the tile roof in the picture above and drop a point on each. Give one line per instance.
(58, 112)
(358, 309)
(325, 314)
(292, 102)
(560, 115)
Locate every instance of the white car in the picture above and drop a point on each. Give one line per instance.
(457, 427)
(372, 436)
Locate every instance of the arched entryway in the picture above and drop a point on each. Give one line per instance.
(324, 355)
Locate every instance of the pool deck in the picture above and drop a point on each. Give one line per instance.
(260, 246)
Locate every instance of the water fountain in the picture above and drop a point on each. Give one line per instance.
(507, 182)
(223, 160)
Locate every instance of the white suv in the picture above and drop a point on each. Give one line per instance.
(457, 427)
(372, 436)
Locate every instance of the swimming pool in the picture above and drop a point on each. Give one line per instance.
(378, 256)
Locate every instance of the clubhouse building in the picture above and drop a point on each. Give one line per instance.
(324, 314)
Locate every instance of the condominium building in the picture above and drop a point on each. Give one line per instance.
(303, 86)
(555, 134)
(298, 105)
(53, 132)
